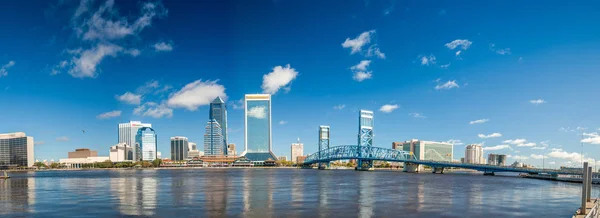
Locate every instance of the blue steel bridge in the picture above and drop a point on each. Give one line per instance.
(370, 154)
(365, 154)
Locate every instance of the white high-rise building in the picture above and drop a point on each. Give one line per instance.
(474, 154)
(297, 150)
(127, 134)
(16, 149)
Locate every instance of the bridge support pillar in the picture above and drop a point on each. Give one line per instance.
(411, 168)
(364, 165)
(439, 170)
(488, 173)
(323, 166)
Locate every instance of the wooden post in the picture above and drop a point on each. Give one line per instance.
(589, 184)
(582, 211)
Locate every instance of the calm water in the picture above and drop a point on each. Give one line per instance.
(281, 193)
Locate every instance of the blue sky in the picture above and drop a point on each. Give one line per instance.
(524, 74)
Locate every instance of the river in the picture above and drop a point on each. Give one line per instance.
(281, 193)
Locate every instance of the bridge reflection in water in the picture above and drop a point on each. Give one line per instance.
(369, 154)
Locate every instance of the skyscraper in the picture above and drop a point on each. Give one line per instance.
(474, 154)
(146, 140)
(257, 128)
(218, 112)
(179, 148)
(213, 139)
(127, 133)
(297, 150)
(16, 149)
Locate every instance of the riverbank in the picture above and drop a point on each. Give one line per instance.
(560, 179)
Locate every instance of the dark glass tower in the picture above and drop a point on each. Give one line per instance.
(218, 112)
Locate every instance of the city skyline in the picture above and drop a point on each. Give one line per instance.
(524, 89)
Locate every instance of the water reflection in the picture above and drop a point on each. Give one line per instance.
(17, 196)
(136, 196)
(366, 198)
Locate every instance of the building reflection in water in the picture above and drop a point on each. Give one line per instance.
(17, 196)
(366, 196)
(258, 194)
(136, 194)
(215, 195)
(324, 185)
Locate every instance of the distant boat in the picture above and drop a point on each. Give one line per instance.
(5, 176)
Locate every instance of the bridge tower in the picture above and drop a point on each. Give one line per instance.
(323, 144)
(365, 139)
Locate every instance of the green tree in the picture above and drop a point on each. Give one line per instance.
(40, 165)
(156, 162)
(54, 165)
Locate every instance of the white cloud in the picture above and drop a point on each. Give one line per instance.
(515, 141)
(339, 106)
(130, 98)
(283, 122)
(39, 142)
(479, 121)
(537, 101)
(152, 109)
(567, 129)
(417, 115)
(258, 112)
(388, 108)
(497, 147)
(4, 68)
(362, 66)
(237, 105)
(445, 66)
(518, 157)
(571, 156)
(528, 144)
(538, 148)
(357, 43)
(109, 114)
(163, 46)
(374, 51)
(552, 162)
(463, 43)
(196, 94)
(104, 33)
(278, 78)
(62, 139)
(502, 51)
(458, 52)
(448, 85)
(592, 138)
(493, 135)
(537, 156)
(455, 142)
(427, 60)
(361, 76)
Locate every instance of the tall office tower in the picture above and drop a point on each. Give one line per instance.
(218, 112)
(16, 149)
(474, 154)
(365, 137)
(213, 139)
(127, 133)
(146, 140)
(257, 128)
(231, 150)
(179, 148)
(323, 142)
(297, 150)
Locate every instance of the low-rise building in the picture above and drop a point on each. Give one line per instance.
(428, 150)
(282, 158)
(82, 153)
(79, 162)
(300, 159)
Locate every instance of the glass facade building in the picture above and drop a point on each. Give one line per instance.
(16, 149)
(257, 127)
(146, 140)
(213, 139)
(428, 150)
(127, 134)
(218, 112)
(179, 148)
